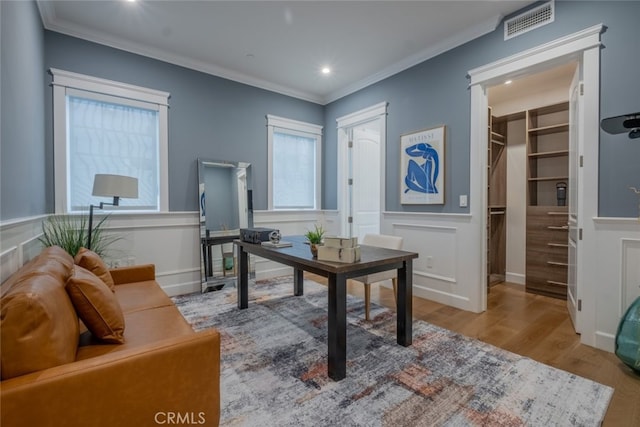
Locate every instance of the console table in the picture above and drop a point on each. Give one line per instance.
(373, 260)
(207, 242)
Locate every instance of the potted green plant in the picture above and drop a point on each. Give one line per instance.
(70, 233)
(315, 239)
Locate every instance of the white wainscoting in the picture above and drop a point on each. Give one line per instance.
(448, 270)
(630, 271)
(171, 241)
(446, 251)
(168, 240)
(19, 243)
(615, 276)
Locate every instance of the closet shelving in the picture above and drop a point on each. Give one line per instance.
(497, 192)
(547, 164)
(547, 232)
(547, 151)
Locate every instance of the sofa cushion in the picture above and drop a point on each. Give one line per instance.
(90, 260)
(96, 305)
(143, 327)
(138, 296)
(38, 325)
(134, 273)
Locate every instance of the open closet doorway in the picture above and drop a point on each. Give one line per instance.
(361, 148)
(532, 178)
(582, 47)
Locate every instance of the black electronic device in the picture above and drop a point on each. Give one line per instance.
(561, 193)
(621, 124)
(255, 235)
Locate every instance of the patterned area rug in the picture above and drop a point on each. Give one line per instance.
(274, 370)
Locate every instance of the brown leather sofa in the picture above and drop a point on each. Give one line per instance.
(56, 373)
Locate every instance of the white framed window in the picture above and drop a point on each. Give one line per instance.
(294, 151)
(107, 127)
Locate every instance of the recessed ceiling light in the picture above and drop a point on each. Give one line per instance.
(326, 70)
(508, 82)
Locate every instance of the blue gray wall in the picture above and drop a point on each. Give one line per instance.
(217, 118)
(22, 84)
(436, 92)
(619, 94)
(209, 117)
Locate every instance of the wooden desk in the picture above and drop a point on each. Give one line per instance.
(372, 260)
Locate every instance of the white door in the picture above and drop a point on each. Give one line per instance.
(366, 176)
(361, 166)
(575, 150)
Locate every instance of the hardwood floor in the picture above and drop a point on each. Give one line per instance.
(533, 326)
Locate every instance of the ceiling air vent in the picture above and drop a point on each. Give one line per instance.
(529, 20)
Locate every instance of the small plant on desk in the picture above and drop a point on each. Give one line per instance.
(315, 238)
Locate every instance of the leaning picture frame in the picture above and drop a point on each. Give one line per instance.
(422, 166)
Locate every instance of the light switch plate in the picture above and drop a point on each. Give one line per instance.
(463, 201)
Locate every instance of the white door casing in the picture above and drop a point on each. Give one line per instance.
(583, 46)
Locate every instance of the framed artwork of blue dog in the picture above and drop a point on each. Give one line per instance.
(422, 167)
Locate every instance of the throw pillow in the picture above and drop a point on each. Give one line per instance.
(38, 325)
(96, 305)
(90, 260)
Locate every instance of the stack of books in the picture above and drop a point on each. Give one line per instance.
(339, 249)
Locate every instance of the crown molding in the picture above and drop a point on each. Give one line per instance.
(53, 23)
(463, 37)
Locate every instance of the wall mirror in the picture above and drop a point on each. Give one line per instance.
(224, 197)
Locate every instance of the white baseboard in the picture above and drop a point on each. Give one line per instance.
(517, 278)
(182, 288)
(442, 297)
(605, 341)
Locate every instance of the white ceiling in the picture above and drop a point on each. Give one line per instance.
(554, 79)
(281, 46)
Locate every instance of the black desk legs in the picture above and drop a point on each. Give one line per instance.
(243, 278)
(298, 282)
(337, 327)
(404, 324)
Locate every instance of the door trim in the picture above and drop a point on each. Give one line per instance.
(583, 46)
(364, 115)
(373, 112)
(537, 58)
